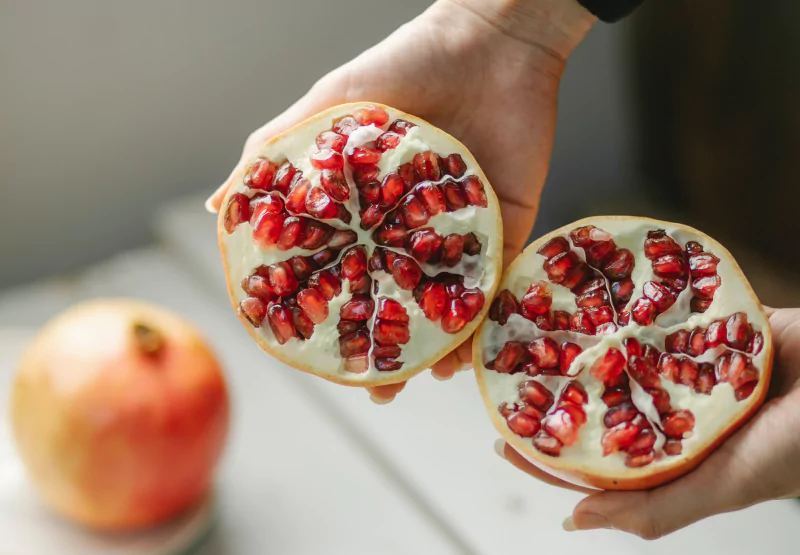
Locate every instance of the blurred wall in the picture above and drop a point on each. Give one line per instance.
(108, 109)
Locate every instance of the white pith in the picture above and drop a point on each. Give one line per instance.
(428, 342)
(714, 414)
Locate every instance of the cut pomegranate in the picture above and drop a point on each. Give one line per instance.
(325, 229)
(601, 314)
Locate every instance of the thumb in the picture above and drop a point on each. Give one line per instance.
(658, 512)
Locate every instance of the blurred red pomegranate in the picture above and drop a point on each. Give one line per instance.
(120, 412)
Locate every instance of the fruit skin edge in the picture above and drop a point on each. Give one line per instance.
(397, 376)
(641, 480)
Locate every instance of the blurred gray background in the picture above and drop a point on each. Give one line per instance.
(108, 109)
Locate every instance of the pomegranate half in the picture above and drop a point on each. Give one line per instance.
(120, 412)
(362, 245)
(621, 351)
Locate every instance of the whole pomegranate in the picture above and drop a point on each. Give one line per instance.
(362, 245)
(621, 351)
(120, 412)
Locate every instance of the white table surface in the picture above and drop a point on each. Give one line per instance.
(316, 468)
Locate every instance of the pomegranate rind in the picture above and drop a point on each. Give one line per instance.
(585, 470)
(97, 409)
(436, 346)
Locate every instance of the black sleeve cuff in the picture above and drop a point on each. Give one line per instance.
(610, 10)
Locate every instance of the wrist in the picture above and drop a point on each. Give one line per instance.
(556, 26)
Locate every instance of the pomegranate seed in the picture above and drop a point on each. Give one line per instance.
(391, 190)
(677, 342)
(737, 331)
(364, 175)
(301, 267)
(267, 229)
(537, 300)
(257, 286)
(580, 322)
(745, 391)
(676, 285)
(622, 412)
(697, 343)
(320, 205)
(389, 309)
(503, 306)
(260, 174)
(670, 367)
(594, 298)
(315, 235)
(669, 265)
(755, 344)
(639, 460)
(644, 372)
(544, 351)
(554, 246)
(254, 310)
(600, 314)
(536, 394)
(313, 304)
(614, 396)
(283, 178)
(677, 424)
(238, 211)
(328, 284)
(387, 364)
(474, 300)
(282, 279)
(547, 444)
(632, 347)
(703, 264)
(292, 232)
(270, 202)
(644, 311)
(358, 308)
(619, 438)
(561, 320)
(660, 400)
(609, 328)
(426, 166)
(342, 238)
(414, 213)
(371, 115)
(651, 354)
(386, 351)
(425, 245)
(609, 366)
(621, 292)
(345, 125)
(453, 195)
(544, 321)
(327, 159)
(356, 364)
(345, 327)
(531, 368)
(693, 247)
(558, 266)
(433, 300)
(567, 355)
(455, 317)
(400, 126)
(658, 243)
(432, 197)
(406, 272)
(472, 246)
(323, 257)
(509, 357)
(706, 379)
(454, 165)
(561, 425)
(296, 198)
(661, 296)
(331, 140)
(705, 287)
(363, 155)
(523, 425)
(409, 176)
(387, 332)
(473, 188)
(390, 235)
(335, 184)
(699, 305)
(453, 249)
(376, 261)
(453, 286)
(388, 141)
(673, 447)
(354, 264)
(302, 323)
(361, 286)
(355, 343)
(371, 217)
(575, 393)
(280, 321)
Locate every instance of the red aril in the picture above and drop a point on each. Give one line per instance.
(647, 336)
(355, 257)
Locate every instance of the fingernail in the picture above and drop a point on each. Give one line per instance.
(381, 400)
(500, 447)
(442, 378)
(210, 207)
(589, 521)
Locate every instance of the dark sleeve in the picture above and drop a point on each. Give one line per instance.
(610, 10)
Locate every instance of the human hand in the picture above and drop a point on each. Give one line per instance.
(758, 463)
(487, 72)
